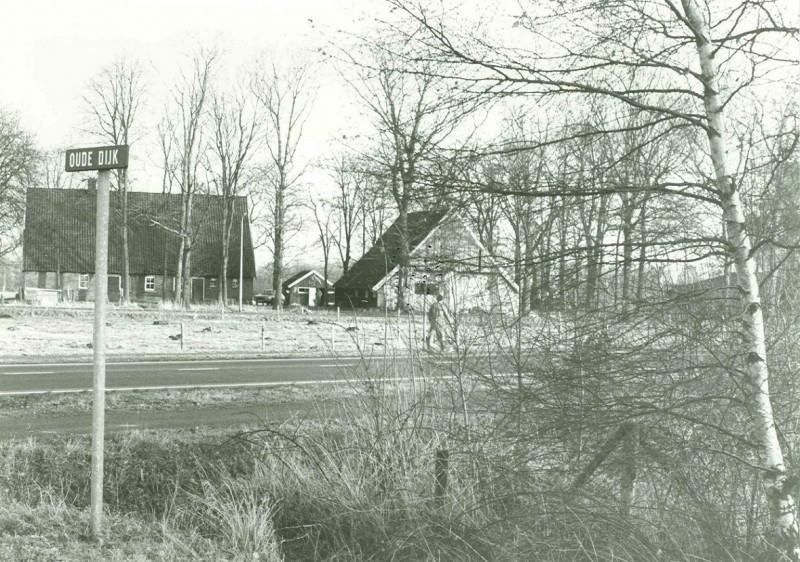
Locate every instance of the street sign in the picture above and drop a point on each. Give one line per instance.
(103, 159)
(98, 158)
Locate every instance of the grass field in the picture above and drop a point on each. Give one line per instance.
(29, 333)
(66, 331)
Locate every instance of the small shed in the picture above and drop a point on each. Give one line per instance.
(306, 288)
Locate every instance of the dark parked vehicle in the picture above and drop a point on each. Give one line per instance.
(267, 299)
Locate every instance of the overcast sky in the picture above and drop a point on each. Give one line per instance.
(50, 49)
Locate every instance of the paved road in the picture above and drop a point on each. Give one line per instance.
(21, 379)
(31, 379)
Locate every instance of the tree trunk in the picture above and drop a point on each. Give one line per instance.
(277, 266)
(640, 275)
(627, 257)
(402, 222)
(166, 270)
(531, 273)
(627, 477)
(187, 276)
(593, 282)
(176, 298)
(774, 477)
(226, 241)
(562, 258)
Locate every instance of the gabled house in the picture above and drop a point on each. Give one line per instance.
(445, 257)
(306, 288)
(59, 243)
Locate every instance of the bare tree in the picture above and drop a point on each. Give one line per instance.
(53, 174)
(183, 141)
(414, 111)
(19, 159)
(237, 131)
(348, 205)
(324, 218)
(113, 103)
(285, 96)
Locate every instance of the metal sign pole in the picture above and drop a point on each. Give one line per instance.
(99, 347)
(241, 261)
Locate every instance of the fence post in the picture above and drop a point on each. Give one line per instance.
(262, 336)
(181, 336)
(440, 474)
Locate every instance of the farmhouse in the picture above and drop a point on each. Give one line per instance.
(445, 257)
(306, 288)
(59, 240)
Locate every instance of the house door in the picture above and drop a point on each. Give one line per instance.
(114, 288)
(198, 289)
(302, 296)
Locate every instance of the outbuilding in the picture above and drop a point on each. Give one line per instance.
(306, 288)
(445, 257)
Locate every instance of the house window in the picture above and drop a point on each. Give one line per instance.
(83, 281)
(235, 283)
(426, 289)
(150, 283)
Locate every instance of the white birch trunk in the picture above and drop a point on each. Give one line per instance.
(781, 502)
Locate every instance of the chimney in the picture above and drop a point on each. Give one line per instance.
(91, 184)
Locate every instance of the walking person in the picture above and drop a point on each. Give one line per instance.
(435, 313)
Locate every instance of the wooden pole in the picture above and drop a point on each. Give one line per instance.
(181, 336)
(99, 351)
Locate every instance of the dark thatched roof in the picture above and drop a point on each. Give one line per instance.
(379, 261)
(60, 231)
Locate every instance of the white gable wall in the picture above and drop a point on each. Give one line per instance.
(452, 259)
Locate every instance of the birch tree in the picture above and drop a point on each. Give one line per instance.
(683, 65)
